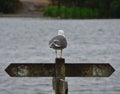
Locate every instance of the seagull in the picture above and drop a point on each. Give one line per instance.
(58, 43)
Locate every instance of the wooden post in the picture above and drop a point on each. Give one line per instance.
(59, 84)
(63, 86)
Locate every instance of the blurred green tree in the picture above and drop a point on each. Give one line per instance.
(106, 8)
(9, 6)
(115, 8)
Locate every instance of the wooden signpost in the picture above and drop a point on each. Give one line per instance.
(59, 71)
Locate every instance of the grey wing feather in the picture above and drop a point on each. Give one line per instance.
(58, 42)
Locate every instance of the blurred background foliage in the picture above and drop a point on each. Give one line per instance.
(83, 9)
(9, 6)
(71, 8)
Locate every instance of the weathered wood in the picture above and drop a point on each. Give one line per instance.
(31, 70)
(59, 69)
(59, 83)
(88, 70)
(54, 83)
(63, 87)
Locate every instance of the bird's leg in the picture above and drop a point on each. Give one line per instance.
(56, 53)
(61, 54)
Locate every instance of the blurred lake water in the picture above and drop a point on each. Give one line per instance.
(25, 40)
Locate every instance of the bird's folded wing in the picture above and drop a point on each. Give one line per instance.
(55, 44)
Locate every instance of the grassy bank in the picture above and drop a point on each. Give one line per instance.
(71, 12)
(77, 12)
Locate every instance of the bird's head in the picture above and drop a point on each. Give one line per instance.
(61, 32)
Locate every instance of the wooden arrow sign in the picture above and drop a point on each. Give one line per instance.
(89, 70)
(48, 70)
(30, 70)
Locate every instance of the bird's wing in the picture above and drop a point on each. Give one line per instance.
(58, 42)
(55, 44)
